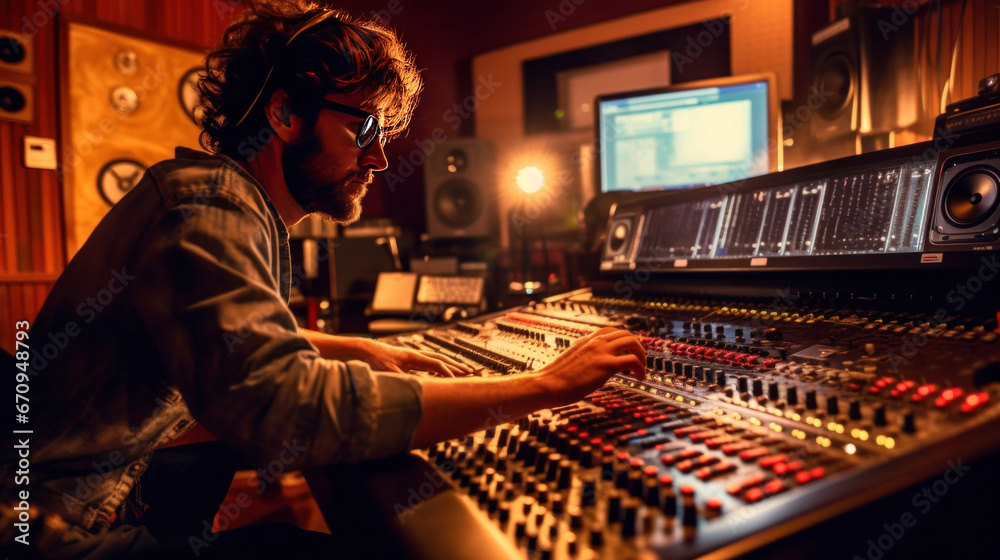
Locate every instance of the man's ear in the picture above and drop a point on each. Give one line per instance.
(286, 125)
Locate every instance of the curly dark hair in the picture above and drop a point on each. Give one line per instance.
(339, 54)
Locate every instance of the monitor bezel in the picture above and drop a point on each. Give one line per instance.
(774, 125)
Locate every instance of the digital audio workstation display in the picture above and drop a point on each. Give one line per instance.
(707, 133)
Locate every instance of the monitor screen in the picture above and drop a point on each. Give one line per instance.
(692, 134)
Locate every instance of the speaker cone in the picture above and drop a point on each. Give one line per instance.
(11, 100)
(618, 236)
(11, 50)
(972, 197)
(835, 83)
(457, 203)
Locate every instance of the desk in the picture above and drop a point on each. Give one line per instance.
(406, 501)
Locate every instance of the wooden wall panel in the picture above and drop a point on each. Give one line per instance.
(32, 251)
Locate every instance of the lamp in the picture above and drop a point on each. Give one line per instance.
(525, 219)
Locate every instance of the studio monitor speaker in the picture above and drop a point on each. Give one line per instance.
(16, 53)
(460, 195)
(967, 202)
(863, 74)
(16, 100)
(620, 238)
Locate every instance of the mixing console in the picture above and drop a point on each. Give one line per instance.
(816, 339)
(742, 410)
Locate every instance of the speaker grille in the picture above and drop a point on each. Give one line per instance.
(837, 80)
(619, 236)
(972, 197)
(458, 203)
(11, 100)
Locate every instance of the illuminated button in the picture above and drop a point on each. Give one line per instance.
(772, 460)
(751, 454)
(973, 401)
(774, 486)
(753, 495)
(714, 506)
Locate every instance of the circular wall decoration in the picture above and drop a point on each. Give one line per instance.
(126, 63)
(187, 93)
(117, 177)
(124, 100)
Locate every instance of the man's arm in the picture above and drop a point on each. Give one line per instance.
(455, 407)
(382, 356)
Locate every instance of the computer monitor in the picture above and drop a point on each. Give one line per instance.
(691, 134)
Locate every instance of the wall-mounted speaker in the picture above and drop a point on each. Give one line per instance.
(863, 74)
(967, 204)
(17, 101)
(460, 194)
(16, 53)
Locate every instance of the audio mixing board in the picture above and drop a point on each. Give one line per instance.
(766, 406)
(745, 413)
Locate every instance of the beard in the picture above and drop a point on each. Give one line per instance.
(305, 168)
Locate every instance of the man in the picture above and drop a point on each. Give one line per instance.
(175, 310)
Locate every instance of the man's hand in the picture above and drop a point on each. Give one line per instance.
(586, 365)
(393, 358)
(383, 356)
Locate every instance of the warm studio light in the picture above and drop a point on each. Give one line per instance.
(529, 179)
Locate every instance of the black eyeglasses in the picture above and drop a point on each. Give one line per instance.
(368, 131)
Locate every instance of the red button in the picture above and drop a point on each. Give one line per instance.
(774, 487)
(751, 454)
(767, 462)
(753, 495)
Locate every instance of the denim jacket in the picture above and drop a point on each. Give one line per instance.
(175, 309)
